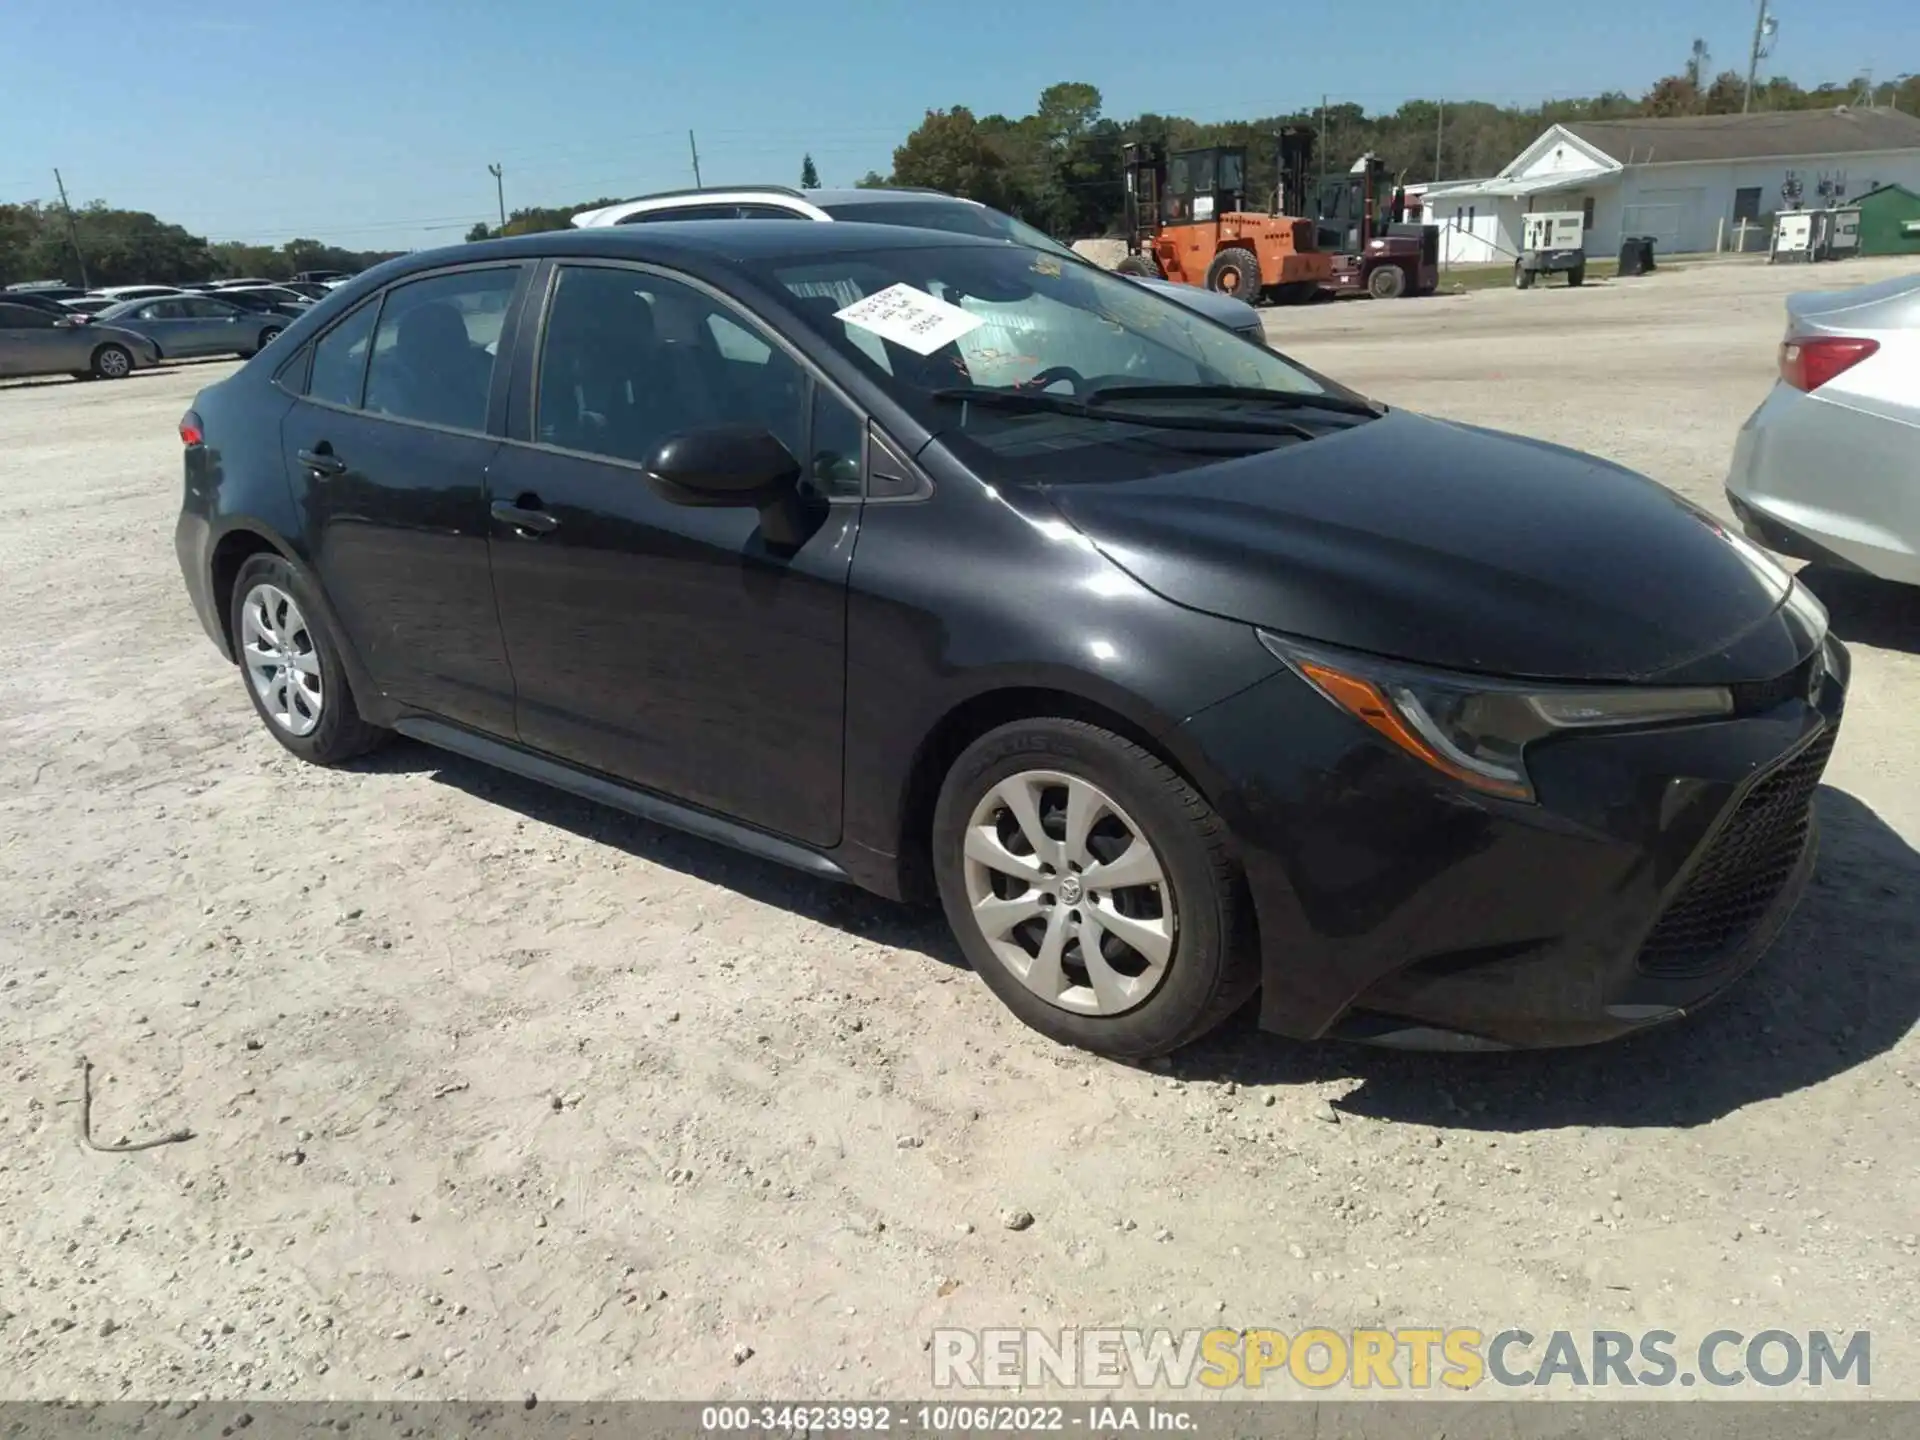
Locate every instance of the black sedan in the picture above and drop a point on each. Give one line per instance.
(1174, 670)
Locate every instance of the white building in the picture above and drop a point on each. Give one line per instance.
(1686, 182)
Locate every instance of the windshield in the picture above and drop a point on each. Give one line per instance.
(959, 217)
(1020, 360)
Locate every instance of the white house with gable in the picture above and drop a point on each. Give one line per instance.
(1686, 182)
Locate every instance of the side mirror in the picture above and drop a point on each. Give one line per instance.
(737, 466)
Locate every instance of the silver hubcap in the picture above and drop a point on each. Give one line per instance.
(1068, 894)
(282, 664)
(113, 363)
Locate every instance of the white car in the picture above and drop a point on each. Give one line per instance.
(118, 293)
(922, 209)
(1828, 468)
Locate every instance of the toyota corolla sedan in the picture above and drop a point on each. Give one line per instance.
(1173, 670)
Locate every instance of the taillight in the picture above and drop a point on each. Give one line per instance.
(1808, 363)
(191, 432)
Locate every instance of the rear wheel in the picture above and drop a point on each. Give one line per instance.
(1522, 277)
(291, 664)
(1577, 275)
(112, 362)
(1235, 272)
(1141, 266)
(1387, 282)
(267, 337)
(1091, 888)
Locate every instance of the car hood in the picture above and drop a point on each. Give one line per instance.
(1455, 547)
(1234, 314)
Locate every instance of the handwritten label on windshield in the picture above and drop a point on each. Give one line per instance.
(908, 317)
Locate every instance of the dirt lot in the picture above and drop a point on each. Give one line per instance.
(495, 1092)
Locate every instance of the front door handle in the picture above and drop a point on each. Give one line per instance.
(525, 515)
(321, 460)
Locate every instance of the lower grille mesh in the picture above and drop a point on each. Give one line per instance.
(1742, 872)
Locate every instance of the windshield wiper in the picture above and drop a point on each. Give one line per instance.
(1039, 401)
(1290, 399)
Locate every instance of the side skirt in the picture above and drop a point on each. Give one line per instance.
(598, 788)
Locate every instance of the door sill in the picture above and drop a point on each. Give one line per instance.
(644, 803)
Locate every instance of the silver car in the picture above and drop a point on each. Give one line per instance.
(1828, 469)
(182, 326)
(923, 209)
(38, 342)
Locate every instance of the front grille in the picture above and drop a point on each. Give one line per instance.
(1743, 870)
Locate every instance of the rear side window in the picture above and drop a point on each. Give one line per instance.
(340, 359)
(24, 317)
(433, 352)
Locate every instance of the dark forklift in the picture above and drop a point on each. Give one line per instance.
(1362, 223)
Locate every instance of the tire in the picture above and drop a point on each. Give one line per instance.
(1577, 275)
(321, 723)
(1522, 277)
(1141, 266)
(1387, 282)
(266, 338)
(1235, 272)
(112, 362)
(1197, 904)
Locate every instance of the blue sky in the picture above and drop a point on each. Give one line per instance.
(372, 124)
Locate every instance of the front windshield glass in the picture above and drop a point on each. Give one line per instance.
(1038, 358)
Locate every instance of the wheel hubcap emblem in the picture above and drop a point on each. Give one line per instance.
(1070, 890)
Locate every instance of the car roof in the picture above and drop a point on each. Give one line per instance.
(734, 240)
(813, 203)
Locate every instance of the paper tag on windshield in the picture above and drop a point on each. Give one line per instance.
(909, 317)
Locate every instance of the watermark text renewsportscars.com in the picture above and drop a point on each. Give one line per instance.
(1407, 1358)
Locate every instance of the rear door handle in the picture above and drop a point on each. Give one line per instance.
(525, 515)
(322, 461)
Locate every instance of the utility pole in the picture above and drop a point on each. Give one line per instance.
(1764, 26)
(695, 149)
(1439, 137)
(499, 191)
(73, 233)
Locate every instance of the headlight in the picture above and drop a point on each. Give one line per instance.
(1473, 729)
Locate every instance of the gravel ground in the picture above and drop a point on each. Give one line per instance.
(495, 1092)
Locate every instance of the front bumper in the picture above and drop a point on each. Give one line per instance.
(1393, 906)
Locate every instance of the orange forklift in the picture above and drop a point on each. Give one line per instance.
(1188, 221)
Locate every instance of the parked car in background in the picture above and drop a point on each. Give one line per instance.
(927, 209)
(266, 299)
(1828, 468)
(248, 280)
(135, 292)
(38, 300)
(322, 277)
(91, 305)
(36, 342)
(924, 562)
(312, 289)
(43, 289)
(184, 326)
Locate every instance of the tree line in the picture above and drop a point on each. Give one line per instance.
(124, 247)
(1058, 168)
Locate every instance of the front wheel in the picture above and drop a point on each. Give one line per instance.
(291, 665)
(1235, 272)
(1141, 267)
(112, 362)
(1092, 889)
(1522, 277)
(267, 337)
(1387, 282)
